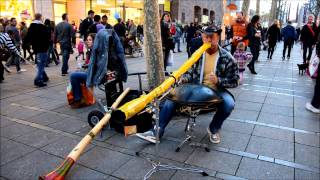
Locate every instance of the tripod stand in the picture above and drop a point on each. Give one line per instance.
(156, 164)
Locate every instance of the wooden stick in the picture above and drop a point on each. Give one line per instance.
(60, 172)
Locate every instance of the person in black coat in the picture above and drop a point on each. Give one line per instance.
(120, 29)
(308, 38)
(86, 23)
(254, 35)
(273, 35)
(191, 33)
(167, 41)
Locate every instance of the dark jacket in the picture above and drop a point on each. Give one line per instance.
(273, 34)
(100, 57)
(84, 26)
(63, 35)
(226, 69)
(307, 37)
(167, 41)
(38, 37)
(253, 40)
(288, 33)
(120, 29)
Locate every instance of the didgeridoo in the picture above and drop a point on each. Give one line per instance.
(60, 172)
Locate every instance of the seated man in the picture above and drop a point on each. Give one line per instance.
(218, 70)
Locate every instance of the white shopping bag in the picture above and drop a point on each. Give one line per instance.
(170, 59)
(313, 66)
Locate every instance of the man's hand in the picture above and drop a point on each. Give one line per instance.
(213, 78)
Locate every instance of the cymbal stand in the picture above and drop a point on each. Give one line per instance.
(156, 164)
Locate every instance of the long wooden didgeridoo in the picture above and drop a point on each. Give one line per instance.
(60, 172)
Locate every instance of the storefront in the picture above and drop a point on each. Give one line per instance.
(20, 9)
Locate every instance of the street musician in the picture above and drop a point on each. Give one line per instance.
(217, 70)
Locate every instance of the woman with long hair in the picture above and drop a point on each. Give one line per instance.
(167, 40)
(273, 35)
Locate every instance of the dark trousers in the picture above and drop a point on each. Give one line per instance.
(271, 49)
(255, 55)
(316, 97)
(287, 44)
(307, 47)
(76, 79)
(65, 60)
(1, 71)
(233, 49)
(14, 59)
(166, 54)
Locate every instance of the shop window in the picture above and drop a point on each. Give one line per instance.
(59, 10)
(22, 10)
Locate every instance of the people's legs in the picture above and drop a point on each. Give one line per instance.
(16, 60)
(166, 53)
(255, 54)
(76, 79)
(233, 49)
(65, 59)
(165, 115)
(305, 48)
(272, 50)
(223, 112)
(178, 42)
(289, 49)
(1, 72)
(285, 45)
(316, 97)
(41, 59)
(310, 48)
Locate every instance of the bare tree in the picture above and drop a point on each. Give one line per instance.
(314, 8)
(273, 11)
(152, 43)
(245, 7)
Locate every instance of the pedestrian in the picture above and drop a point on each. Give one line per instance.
(140, 33)
(105, 22)
(80, 49)
(132, 31)
(273, 36)
(308, 38)
(25, 47)
(6, 43)
(254, 35)
(39, 38)
(177, 38)
(74, 32)
(63, 35)
(51, 52)
(238, 31)
(298, 31)
(241, 57)
(96, 26)
(167, 41)
(289, 35)
(14, 34)
(191, 32)
(86, 23)
(120, 29)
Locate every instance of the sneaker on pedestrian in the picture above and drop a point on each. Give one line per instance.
(148, 136)
(21, 70)
(64, 74)
(6, 68)
(214, 138)
(311, 108)
(283, 58)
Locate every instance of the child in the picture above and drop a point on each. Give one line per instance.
(80, 49)
(242, 57)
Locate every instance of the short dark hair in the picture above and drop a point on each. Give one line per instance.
(90, 12)
(104, 16)
(119, 20)
(255, 19)
(289, 22)
(37, 16)
(97, 18)
(64, 16)
(12, 19)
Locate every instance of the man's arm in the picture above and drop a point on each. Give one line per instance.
(9, 43)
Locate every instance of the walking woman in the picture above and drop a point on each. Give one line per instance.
(167, 40)
(273, 35)
(254, 35)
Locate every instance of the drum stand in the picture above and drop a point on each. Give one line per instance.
(156, 164)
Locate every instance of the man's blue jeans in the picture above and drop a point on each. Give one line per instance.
(41, 59)
(65, 59)
(76, 79)
(222, 113)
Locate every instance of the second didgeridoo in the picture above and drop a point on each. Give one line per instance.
(60, 172)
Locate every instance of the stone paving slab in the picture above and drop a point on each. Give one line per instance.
(276, 119)
(16, 130)
(272, 148)
(255, 169)
(239, 127)
(215, 160)
(307, 155)
(301, 174)
(4, 121)
(70, 125)
(244, 114)
(273, 133)
(307, 139)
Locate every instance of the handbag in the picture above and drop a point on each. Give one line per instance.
(312, 70)
(87, 98)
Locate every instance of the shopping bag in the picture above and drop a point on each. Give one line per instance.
(87, 98)
(313, 67)
(170, 59)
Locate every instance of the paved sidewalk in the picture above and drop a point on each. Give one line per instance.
(269, 135)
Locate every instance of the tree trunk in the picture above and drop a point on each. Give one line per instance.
(258, 7)
(245, 7)
(152, 43)
(273, 12)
